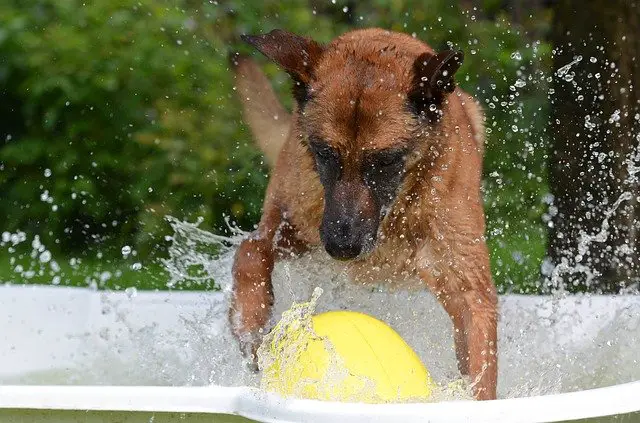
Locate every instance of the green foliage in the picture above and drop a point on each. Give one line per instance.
(99, 273)
(127, 105)
(116, 113)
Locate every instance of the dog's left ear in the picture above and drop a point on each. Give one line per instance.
(297, 55)
(433, 78)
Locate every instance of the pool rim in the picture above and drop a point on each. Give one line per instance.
(258, 405)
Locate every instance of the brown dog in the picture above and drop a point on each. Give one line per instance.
(380, 162)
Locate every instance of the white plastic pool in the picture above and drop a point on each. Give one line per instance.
(80, 355)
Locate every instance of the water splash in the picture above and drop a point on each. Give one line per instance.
(282, 348)
(564, 70)
(586, 240)
(197, 256)
(284, 343)
(166, 339)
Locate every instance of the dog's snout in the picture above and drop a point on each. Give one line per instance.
(343, 230)
(343, 252)
(350, 220)
(348, 238)
(342, 249)
(342, 240)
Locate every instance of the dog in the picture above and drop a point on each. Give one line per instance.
(380, 162)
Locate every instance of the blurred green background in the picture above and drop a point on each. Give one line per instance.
(117, 113)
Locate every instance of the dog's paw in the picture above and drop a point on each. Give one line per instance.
(249, 342)
(249, 350)
(252, 364)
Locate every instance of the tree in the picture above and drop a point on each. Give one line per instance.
(595, 131)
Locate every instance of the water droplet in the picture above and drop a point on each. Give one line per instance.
(131, 292)
(36, 244)
(45, 256)
(126, 250)
(47, 173)
(615, 117)
(516, 55)
(136, 266)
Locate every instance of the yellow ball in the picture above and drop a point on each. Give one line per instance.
(364, 360)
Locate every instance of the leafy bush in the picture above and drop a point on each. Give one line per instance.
(116, 113)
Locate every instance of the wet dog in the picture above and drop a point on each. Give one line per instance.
(380, 163)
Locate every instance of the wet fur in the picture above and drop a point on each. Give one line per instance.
(435, 227)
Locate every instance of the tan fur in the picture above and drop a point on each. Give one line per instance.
(476, 117)
(435, 228)
(269, 121)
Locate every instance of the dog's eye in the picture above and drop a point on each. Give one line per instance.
(323, 152)
(327, 162)
(389, 159)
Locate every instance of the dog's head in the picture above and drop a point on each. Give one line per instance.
(365, 103)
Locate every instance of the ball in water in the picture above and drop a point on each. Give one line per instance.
(350, 356)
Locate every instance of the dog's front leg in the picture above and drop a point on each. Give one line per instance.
(252, 296)
(480, 326)
(469, 297)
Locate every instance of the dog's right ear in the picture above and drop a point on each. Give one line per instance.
(297, 55)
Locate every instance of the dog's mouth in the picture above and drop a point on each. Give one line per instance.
(349, 253)
(348, 242)
(353, 236)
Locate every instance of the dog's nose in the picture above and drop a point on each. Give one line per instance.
(342, 251)
(342, 242)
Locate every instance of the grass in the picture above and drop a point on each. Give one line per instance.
(117, 274)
